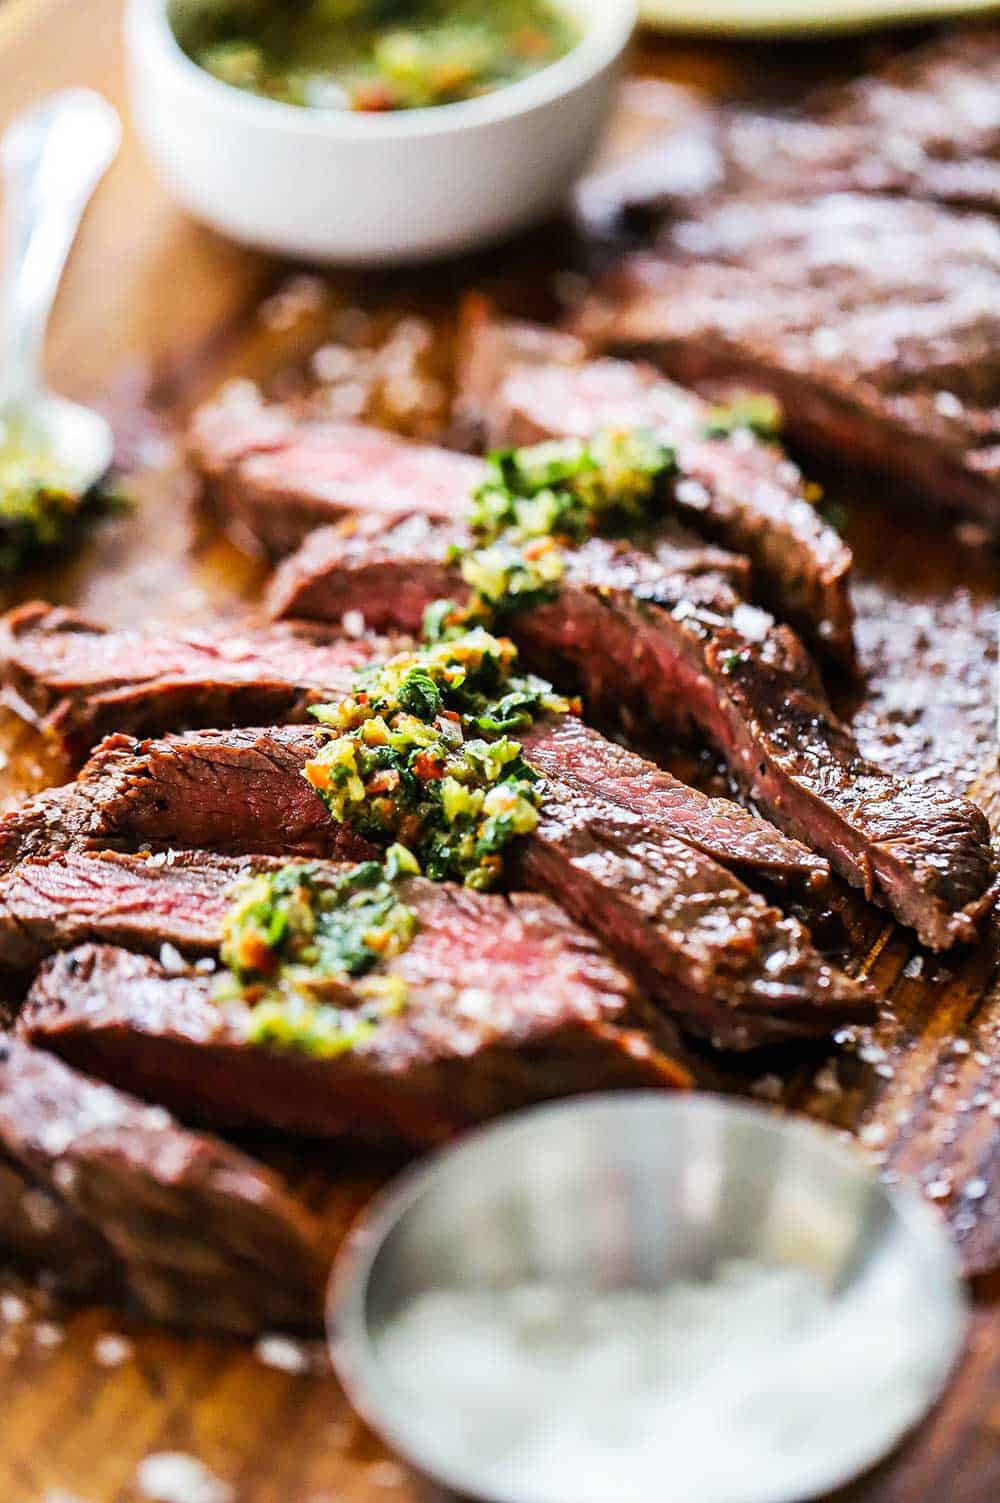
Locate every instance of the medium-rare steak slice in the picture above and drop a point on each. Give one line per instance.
(581, 758)
(205, 1235)
(742, 975)
(874, 321)
(521, 384)
(234, 790)
(277, 475)
(683, 647)
(507, 1002)
(84, 681)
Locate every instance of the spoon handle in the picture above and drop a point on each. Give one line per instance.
(52, 158)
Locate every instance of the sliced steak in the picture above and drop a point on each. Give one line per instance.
(40, 1236)
(521, 385)
(508, 1003)
(876, 323)
(565, 748)
(277, 475)
(742, 976)
(83, 681)
(927, 127)
(234, 790)
(205, 1236)
(683, 647)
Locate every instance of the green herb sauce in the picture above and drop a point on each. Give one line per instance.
(299, 951)
(38, 501)
(372, 54)
(535, 501)
(411, 762)
(754, 411)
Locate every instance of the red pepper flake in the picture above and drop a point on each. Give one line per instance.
(428, 768)
(383, 782)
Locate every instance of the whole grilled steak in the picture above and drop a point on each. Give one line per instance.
(276, 475)
(926, 127)
(85, 681)
(875, 322)
(727, 963)
(522, 384)
(686, 648)
(204, 1235)
(507, 1003)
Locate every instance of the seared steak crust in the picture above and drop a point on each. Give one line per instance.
(84, 681)
(873, 320)
(205, 1236)
(688, 648)
(522, 384)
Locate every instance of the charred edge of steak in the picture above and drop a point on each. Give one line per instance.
(204, 1234)
(522, 384)
(730, 967)
(276, 476)
(728, 944)
(688, 647)
(509, 1003)
(884, 353)
(86, 681)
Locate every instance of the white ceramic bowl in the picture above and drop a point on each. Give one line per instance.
(379, 188)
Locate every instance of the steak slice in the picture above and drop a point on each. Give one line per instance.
(689, 648)
(40, 1236)
(927, 127)
(522, 384)
(205, 1236)
(277, 475)
(237, 790)
(508, 1003)
(84, 681)
(581, 758)
(742, 975)
(875, 321)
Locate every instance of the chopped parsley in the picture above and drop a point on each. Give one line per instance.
(750, 411)
(411, 764)
(299, 950)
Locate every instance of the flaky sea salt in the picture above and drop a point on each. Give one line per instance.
(13, 1309)
(563, 1394)
(281, 1352)
(172, 960)
(174, 1477)
(111, 1350)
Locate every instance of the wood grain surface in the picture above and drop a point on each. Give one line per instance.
(154, 313)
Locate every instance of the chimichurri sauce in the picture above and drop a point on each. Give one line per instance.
(372, 54)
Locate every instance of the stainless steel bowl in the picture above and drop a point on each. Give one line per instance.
(641, 1189)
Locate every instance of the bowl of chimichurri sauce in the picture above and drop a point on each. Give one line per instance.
(372, 55)
(373, 131)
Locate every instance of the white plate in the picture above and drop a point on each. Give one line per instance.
(798, 17)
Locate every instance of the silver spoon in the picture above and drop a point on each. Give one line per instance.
(52, 158)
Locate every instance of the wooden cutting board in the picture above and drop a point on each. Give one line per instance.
(154, 313)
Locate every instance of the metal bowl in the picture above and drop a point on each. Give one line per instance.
(638, 1190)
